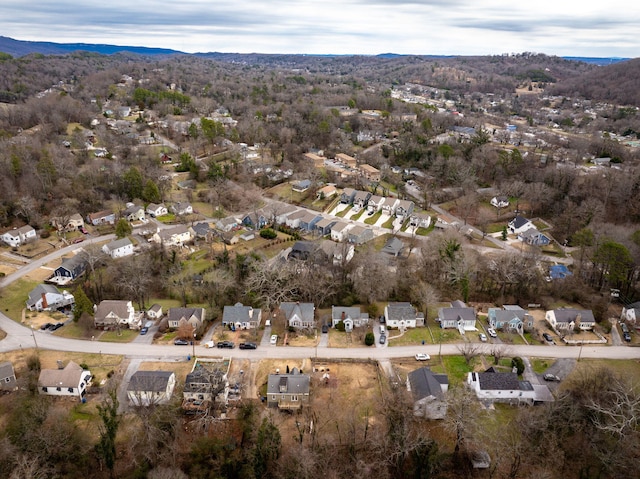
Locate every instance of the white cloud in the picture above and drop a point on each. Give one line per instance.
(462, 27)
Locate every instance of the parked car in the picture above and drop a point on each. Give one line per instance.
(78, 240)
(383, 339)
(492, 332)
(274, 339)
(181, 342)
(83, 230)
(144, 331)
(547, 337)
(422, 357)
(551, 377)
(626, 337)
(248, 346)
(226, 344)
(46, 326)
(325, 328)
(483, 337)
(624, 327)
(56, 326)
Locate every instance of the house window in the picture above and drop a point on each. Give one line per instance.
(70, 390)
(6, 380)
(58, 388)
(294, 398)
(273, 398)
(44, 389)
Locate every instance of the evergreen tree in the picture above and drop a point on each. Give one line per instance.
(123, 228)
(82, 304)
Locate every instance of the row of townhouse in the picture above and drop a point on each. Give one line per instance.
(134, 212)
(345, 166)
(374, 203)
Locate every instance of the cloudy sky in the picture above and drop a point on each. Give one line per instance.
(465, 27)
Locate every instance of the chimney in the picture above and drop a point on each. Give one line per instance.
(343, 316)
(60, 364)
(44, 301)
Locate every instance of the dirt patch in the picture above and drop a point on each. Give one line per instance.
(37, 319)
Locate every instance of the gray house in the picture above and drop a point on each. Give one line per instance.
(298, 315)
(288, 391)
(428, 391)
(511, 318)
(349, 315)
(241, 316)
(8, 380)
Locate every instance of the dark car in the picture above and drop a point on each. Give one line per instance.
(46, 326)
(383, 338)
(547, 337)
(626, 337)
(325, 328)
(248, 346)
(181, 342)
(226, 344)
(144, 331)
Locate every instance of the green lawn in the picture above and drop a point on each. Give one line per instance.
(358, 215)
(454, 366)
(341, 214)
(124, 336)
(540, 365)
(15, 296)
(388, 223)
(168, 218)
(410, 337)
(371, 220)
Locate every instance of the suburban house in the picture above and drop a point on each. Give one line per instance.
(389, 205)
(511, 318)
(293, 220)
(495, 386)
(402, 315)
(500, 201)
(302, 250)
(317, 160)
(46, 297)
(308, 221)
(118, 248)
(18, 236)
(114, 313)
(71, 380)
(176, 236)
(149, 388)
(205, 385)
(280, 216)
(327, 191)
(155, 210)
(298, 315)
(340, 230)
(393, 246)
(323, 227)
(404, 208)
(133, 213)
(350, 316)
(227, 224)
(361, 198)
(419, 220)
(534, 237)
(428, 391)
(202, 231)
(241, 316)
(8, 381)
(338, 253)
(519, 224)
(288, 391)
(301, 186)
(458, 316)
(631, 313)
(567, 319)
(370, 173)
(347, 196)
(192, 316)
(73, 222)
(359, 234)
(256, 220)
(71, 268)
(375, 204)
(181, 208)
(101, 217)
(155, 311)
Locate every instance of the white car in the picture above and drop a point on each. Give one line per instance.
(483, 337)
(422, 357)
(274, 339)
(492, 332)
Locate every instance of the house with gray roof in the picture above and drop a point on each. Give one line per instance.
(511, 318)
(428, 392)
(404, 208)
(46, 297)
(534, 237)
(393, 246)
(402, 315)
(323, 227)
(351, 316)
(493, 386)
(241, 316)
(206, 385)
(359, 234)
(288, 391)
(111, 314)
(458, 316)
(19, 236)
(8, 381)
(361, 198)
(298, 315)
(347, 196)
(340, 231)
(71, 380)
(566, 319)
(150, 388)
(119, 248)
(519, 224)
(133, 213)
(71, 268)
(193, 316)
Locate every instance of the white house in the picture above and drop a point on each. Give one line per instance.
(500, 201)
(402, 315)
(155, 311)
(18, 236)
(148, 388)
(119, 248)
(567, 319)
(111, 313)
(73, 222)
(519, 224)
(71, 380)
(351, 316)
(176, 236)
(133, 213)
(298, 315)
(458, 316)
(155, 210)
(182, 208)
(501, 387)
(46, 297)
(340, 231)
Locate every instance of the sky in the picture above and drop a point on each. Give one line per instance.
(586, 28)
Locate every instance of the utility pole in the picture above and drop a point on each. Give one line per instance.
(33, 334)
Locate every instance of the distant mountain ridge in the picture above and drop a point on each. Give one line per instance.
(19, 48)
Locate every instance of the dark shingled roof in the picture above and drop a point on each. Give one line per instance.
(424, 383)
(149, 381)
